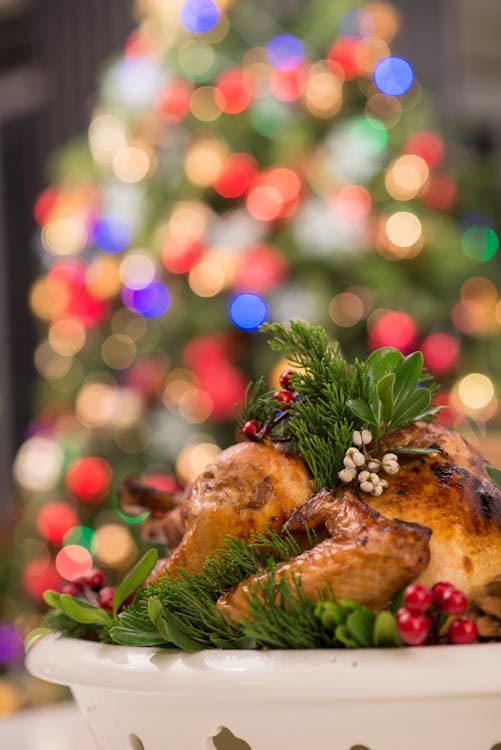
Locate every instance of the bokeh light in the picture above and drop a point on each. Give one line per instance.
(54, 520)
(111, 235)
(193, 459)
(285, 52)
(406, 177)
(441, 352)
(114, 545)
(393, 76)
(38, 464)
(73, 561)
(152, 301)
(89, 479)
(476, 391)
(392, 328)
(248, 311)
(480, 243)
(199, 16)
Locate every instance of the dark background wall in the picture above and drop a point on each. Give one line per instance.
(51, 52)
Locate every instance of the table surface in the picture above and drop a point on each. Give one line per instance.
(59, 727)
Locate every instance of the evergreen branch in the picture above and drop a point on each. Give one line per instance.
(258, 404)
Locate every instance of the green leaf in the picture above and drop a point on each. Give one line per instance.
(83, 612)
(362, 410)
(415, 451)
(128, 637)
(240, 643)
(384, 390)
(383, 361)
(407, 376)
(135, 578)
(178, 637)
(33, 636)
(386, 631)
(360, 624)
(495, 475)
(52, 598)
(414, 405)
(331, 614)
(155, 613)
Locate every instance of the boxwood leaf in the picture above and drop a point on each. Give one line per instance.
(127, 637)
(52, 598)
(414, 406)
(361, 626)
(135, 578)
(155, 613)
(178, 637)
(384, 389)
(343, 635)
(407, 376)
(82, 611)
(385, 630)
(383, 361)
(362, 410)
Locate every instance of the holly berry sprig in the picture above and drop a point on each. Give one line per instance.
(429, 615)
(284, 399)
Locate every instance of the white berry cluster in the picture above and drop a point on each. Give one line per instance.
(358, 464)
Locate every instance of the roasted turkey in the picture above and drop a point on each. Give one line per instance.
(251, 487)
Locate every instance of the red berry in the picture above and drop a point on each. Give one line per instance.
(71, 589)
(418, 598)
(462, 631)
(95, 579)
(80, 583)
(439, 590)
(105, 598)
(285, 379)
(454, 602)
(251, 429)
(412, 628)
(284, 398)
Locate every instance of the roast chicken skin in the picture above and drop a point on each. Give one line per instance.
(365, 557)
(450, 492)
(249, 487)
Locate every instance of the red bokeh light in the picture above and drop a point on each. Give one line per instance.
(287, 86)
(236, 175)
(261, 270)
(55, 520)
(44, 205)
(39, 575)
(428, 145)
(146, 376)
(345, 53)
(173, 102)
(165, 482)
(440, 352)
(73, 561)
(353, 201)
(205, 352)
(395, 329)
(179, 256)
(233, 93)
(89, 479)
(441, 193)
(264, 203)
(447, 417)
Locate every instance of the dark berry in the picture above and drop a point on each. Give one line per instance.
(439, 590)
(286, 379)
(80, 583)
(284, 398)
(71, 589)
(105, 598)
(417, 598)
(95, 579)
(454, 602)
(462, 631)
(413, 628)
(251, 429)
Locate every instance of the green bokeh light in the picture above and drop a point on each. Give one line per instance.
(369, 136)
(480, 243)
(82, 535)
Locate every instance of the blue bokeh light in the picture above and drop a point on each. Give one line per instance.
(111, 235)
(248, 311)
(199, 16)
(393, 76)
(285, 52)
(151, 302)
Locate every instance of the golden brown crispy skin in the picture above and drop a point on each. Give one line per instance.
(366, 558)
(452, 494)
(250, 487)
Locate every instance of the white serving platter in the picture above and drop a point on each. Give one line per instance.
(429, 698)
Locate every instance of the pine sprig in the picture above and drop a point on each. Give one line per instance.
(258, 404)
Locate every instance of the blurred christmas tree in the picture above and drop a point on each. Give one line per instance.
(247, 160)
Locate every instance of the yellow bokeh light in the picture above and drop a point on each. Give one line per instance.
(132, 164)
(137, 270)
(129, 323)
(102, 278)
(10, 698)
(195, 405)
(106, 137)
(206, 279)
(204, 104)
(323, 92)
(193, 459)
(188, 221)
(49, 364)
(38, 464)
(387, 109)
(115, 546)
(43, 301)
(95, 405)
(66, 336)
(403, 229)
(64, 236)
(476, 391)
(380, 20)
(479, 295)
(204, 160)
(407, 177)
(118, 351)
(346, 309)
